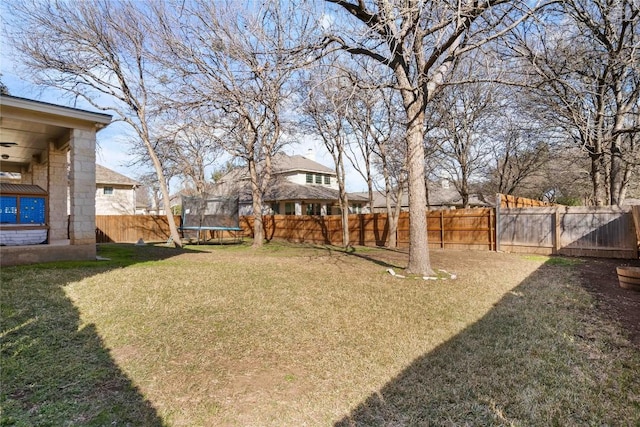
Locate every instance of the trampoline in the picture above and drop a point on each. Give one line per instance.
(211, 217)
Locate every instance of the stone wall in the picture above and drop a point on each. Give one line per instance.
(57, 188)
(83, 187)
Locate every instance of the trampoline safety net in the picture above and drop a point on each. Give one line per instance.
(212, 211)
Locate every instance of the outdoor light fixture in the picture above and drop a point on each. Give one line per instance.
(5, 156)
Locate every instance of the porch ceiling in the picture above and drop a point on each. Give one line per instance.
(23, 141)
(27, 127)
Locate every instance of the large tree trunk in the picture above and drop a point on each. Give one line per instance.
(464, 187)
(344, 199)
(624, 185)
(596, 180)
(256, 198)
(419, 262)
(164, 189)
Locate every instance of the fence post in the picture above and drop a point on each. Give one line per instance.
(491, 229)
(498, 203)
(442, 229)
(557, 244)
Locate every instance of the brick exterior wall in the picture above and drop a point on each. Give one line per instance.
(83, 187)
(57, 189)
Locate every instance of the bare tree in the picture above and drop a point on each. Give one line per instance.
(325, 107)
(97, 50)
(392, 162)
(464, 134)
(233, 66)
(585, 58)
(194, 150)
(360, 118)
(421, 42)
(4, 90)
(377, 126)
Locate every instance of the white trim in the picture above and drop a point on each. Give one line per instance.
(58, 110)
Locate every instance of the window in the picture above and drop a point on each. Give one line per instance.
(289, 208)
(309, 178)
(327, 180)
(318, 179)
(107, 191)
(275, 207)
(314, 209)
(329, 210)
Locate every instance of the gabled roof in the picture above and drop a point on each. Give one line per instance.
(284, 190)
(438, 196)
(108, 176)
(283, 163)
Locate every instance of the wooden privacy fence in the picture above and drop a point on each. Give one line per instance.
(130, 228)
(606, 232)
(509, 201)
(573, 231)
(460, 229)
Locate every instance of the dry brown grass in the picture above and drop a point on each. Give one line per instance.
(293, 335)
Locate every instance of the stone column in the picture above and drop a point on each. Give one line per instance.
(82, 189)
(56, 180)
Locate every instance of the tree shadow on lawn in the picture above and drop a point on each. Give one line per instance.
(541, 356)
(54, 372)
(384, 257)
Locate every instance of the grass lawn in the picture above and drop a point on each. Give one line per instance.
(302, 335)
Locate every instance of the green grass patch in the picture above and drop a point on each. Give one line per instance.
(554, 260)
(307, 335)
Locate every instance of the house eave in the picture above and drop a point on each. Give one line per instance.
(100, 119)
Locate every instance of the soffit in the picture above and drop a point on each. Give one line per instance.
(27, 127)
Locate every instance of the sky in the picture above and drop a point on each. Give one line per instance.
(114, 142)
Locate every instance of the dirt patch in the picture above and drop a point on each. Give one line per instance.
(599, 278)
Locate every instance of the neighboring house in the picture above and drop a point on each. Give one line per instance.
(48, 156)
(299, 186)
(440, 196)
(156, 206)
(115, 193)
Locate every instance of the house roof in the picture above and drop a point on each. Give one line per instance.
(10, 188)
(438, 196)
(283, 190)
(47, 107)
(107, 176)
(28, 127)
(292, 191)
(283, 163)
